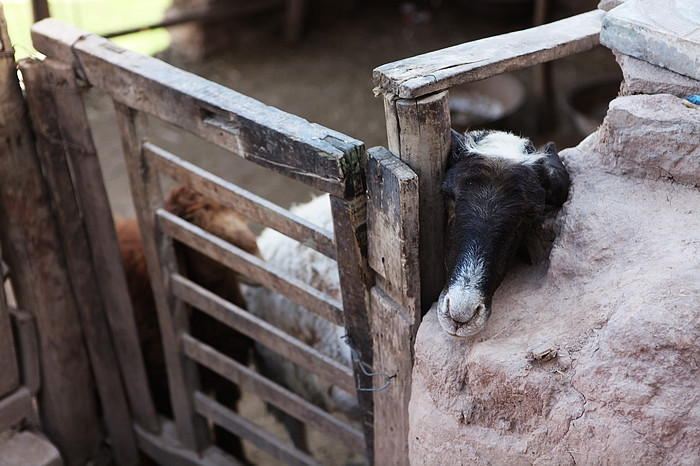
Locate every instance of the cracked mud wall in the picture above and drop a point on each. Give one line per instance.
(619, 302)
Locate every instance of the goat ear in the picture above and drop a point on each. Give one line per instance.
(554, 177)
(457, 148)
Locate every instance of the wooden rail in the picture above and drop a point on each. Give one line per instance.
(274, 394)
(264, 333)
(242, 201)
(250, 266)
(436, 71)
(310, 153)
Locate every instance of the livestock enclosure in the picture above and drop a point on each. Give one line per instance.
(57, 231)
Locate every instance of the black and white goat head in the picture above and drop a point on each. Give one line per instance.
(497, 188)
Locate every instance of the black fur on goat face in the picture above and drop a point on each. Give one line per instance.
(497, 187)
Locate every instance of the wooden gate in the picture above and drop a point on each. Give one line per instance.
(142, 87)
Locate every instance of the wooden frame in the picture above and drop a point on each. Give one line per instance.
(322, 158)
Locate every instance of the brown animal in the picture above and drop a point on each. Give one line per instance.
(228, 225)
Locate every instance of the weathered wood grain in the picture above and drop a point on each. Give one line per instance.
(356, 278)
(392, 223)
(250, 266)
(267, 442)
(263, 332)
(268, 391)
(32, 249)
(242, 201)
(393, 253)
(480, 59)
(317, 156)
(51, 148)
(161, 260)
(394, 335)
(94, 209)
(424, 144)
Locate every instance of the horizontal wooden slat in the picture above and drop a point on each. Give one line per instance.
(310, 153)
(263, 332)
(250, 266)
(289, 402)
(241, 200)
(164, 448)
(247, 430)
(480, 59)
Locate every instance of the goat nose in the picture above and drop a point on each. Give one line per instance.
(463, 315)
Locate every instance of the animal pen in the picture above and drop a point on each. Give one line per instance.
(57, 231)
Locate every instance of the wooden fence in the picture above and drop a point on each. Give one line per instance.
(324, 159)
(386, 212)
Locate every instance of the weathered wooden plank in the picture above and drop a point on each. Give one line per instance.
(51, 148)
(268, 391)
(394, 333)
(240, 426)
(392, 224)
(246, 203)
(24, 329)
(424, 138)
(250, 266)
(74, 130)
(15, 407)
(166, 449)
(162, 262)
(32, 249)
(356, 278)
(317, 156)
(480, 59)
(393, 253)
(263, 332)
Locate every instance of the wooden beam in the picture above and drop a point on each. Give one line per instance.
(32, 248)
(423, 144)
(393, 254)
(242, 201)
(320, 157)
(263, 332)
(147, 194)
(240, 426)
(275, 394)
(250, 266)
(356, 279)
(480, 59)
(52, 150)
(94, 207)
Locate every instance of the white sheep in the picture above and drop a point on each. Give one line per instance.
(321, 272)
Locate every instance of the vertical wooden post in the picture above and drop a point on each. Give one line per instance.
(393, 254)
(104, 245)
(349, 223)
(162, 262)
(419, 133)
(32, 248)
(50, 148)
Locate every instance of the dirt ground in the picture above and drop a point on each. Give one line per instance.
(327, 79)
